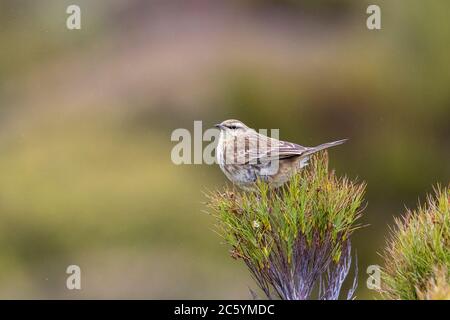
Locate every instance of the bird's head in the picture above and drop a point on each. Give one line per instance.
(232, 127)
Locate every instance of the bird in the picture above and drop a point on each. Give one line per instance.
(246, 156)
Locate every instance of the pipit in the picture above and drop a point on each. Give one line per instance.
(246, 156)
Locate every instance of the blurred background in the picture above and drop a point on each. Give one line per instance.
(86, 118)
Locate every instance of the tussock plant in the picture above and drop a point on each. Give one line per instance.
(417, 257)
(295, 238)
(437, 287)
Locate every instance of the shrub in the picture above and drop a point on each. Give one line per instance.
(295, 238)
(417, 257)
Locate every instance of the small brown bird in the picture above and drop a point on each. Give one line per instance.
(246, 156)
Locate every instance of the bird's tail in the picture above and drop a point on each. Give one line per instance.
(323, 146)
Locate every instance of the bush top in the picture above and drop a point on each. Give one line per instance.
(315, 204)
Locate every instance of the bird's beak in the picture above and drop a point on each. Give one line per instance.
(218, 126)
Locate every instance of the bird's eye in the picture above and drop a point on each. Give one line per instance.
(232, 127)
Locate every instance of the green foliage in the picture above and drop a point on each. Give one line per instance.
(437, 286)
(418, 252)
(315, 204)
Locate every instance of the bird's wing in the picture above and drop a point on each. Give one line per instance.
(257, 148)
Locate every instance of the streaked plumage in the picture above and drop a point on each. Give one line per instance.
(246, 156)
